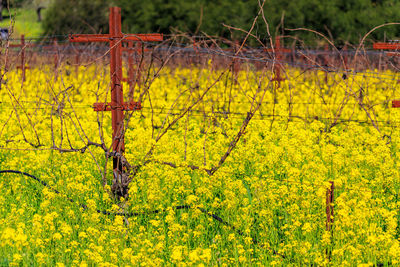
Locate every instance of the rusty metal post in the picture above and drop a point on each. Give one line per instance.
(117, 114)
(329, 206)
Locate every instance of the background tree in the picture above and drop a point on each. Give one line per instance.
(343, 20)
(76, 16)
(4, 4)
(187, 16)
(39, 5)
(13, 3)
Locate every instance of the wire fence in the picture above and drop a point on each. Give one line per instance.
(313, 69)
(332, 60)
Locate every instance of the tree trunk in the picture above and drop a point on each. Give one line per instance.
(1, 10)
(39, 14)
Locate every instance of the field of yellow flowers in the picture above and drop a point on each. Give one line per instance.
(270, 191)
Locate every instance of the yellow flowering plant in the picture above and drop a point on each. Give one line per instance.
(200, 140)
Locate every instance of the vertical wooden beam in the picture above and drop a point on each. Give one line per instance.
(329, 206)
(278, 58)
(326, 59)
(23, 57)
(235, 67)
(130, 71)
(22, 66)
(77, 59)
(117, 100)
(329, 214)
(137, 78)
(56, 63)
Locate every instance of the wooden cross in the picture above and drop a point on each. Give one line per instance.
(388, 46)
(278, 50)
(117, 105)
(131, 80)
(56, 60)
(54, 47)
(23, 46)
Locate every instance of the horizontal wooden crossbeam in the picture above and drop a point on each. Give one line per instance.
(127, 106)
(387, 46)
(395, 103)
(392, 54)
(152, 37)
